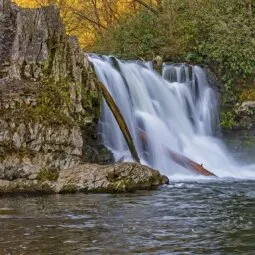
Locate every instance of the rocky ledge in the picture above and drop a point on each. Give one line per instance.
(122, 177)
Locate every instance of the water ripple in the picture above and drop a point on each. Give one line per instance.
(184, 218)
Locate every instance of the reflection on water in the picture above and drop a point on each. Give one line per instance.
(183, 218)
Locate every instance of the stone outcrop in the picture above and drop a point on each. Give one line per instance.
(245, 116)
(113, 178)
(89, 178)
(49, 102)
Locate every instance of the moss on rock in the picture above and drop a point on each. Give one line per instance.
(47, 175)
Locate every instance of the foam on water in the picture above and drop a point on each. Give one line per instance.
(178, 111)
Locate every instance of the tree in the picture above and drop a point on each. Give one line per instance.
(88, 19)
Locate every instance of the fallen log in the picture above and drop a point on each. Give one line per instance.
(120, 120)
(188, 163)
(180, 159)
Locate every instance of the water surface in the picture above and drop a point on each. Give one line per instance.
(210, 217)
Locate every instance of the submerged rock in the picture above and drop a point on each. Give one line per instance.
(89, 178)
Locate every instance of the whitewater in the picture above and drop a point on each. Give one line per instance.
(178, 110)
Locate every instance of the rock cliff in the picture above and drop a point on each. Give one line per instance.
(49, 104)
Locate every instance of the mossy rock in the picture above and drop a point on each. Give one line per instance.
(47, 175)
(69, 188)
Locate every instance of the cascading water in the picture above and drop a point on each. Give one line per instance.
(178, 111)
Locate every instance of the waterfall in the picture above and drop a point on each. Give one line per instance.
(178, 110)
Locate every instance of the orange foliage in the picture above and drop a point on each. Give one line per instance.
(27, 3)
(87, 19)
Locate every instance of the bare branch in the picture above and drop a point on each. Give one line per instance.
(147, 6)
(84, 16)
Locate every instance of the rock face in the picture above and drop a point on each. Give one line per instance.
(245, 116)
(90, 178)
(49, 102)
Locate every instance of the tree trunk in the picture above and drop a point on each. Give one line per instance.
(120, 120)
(249, 7)
(170, 17)
(94, 3)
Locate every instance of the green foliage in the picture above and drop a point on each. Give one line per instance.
(139, 36)
(227, 120)
(217, 33)
(230, 45)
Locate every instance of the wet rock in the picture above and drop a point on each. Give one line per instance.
(20, 186)
(157, 63)
(89, 178)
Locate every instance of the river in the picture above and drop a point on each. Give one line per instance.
(207, 217)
